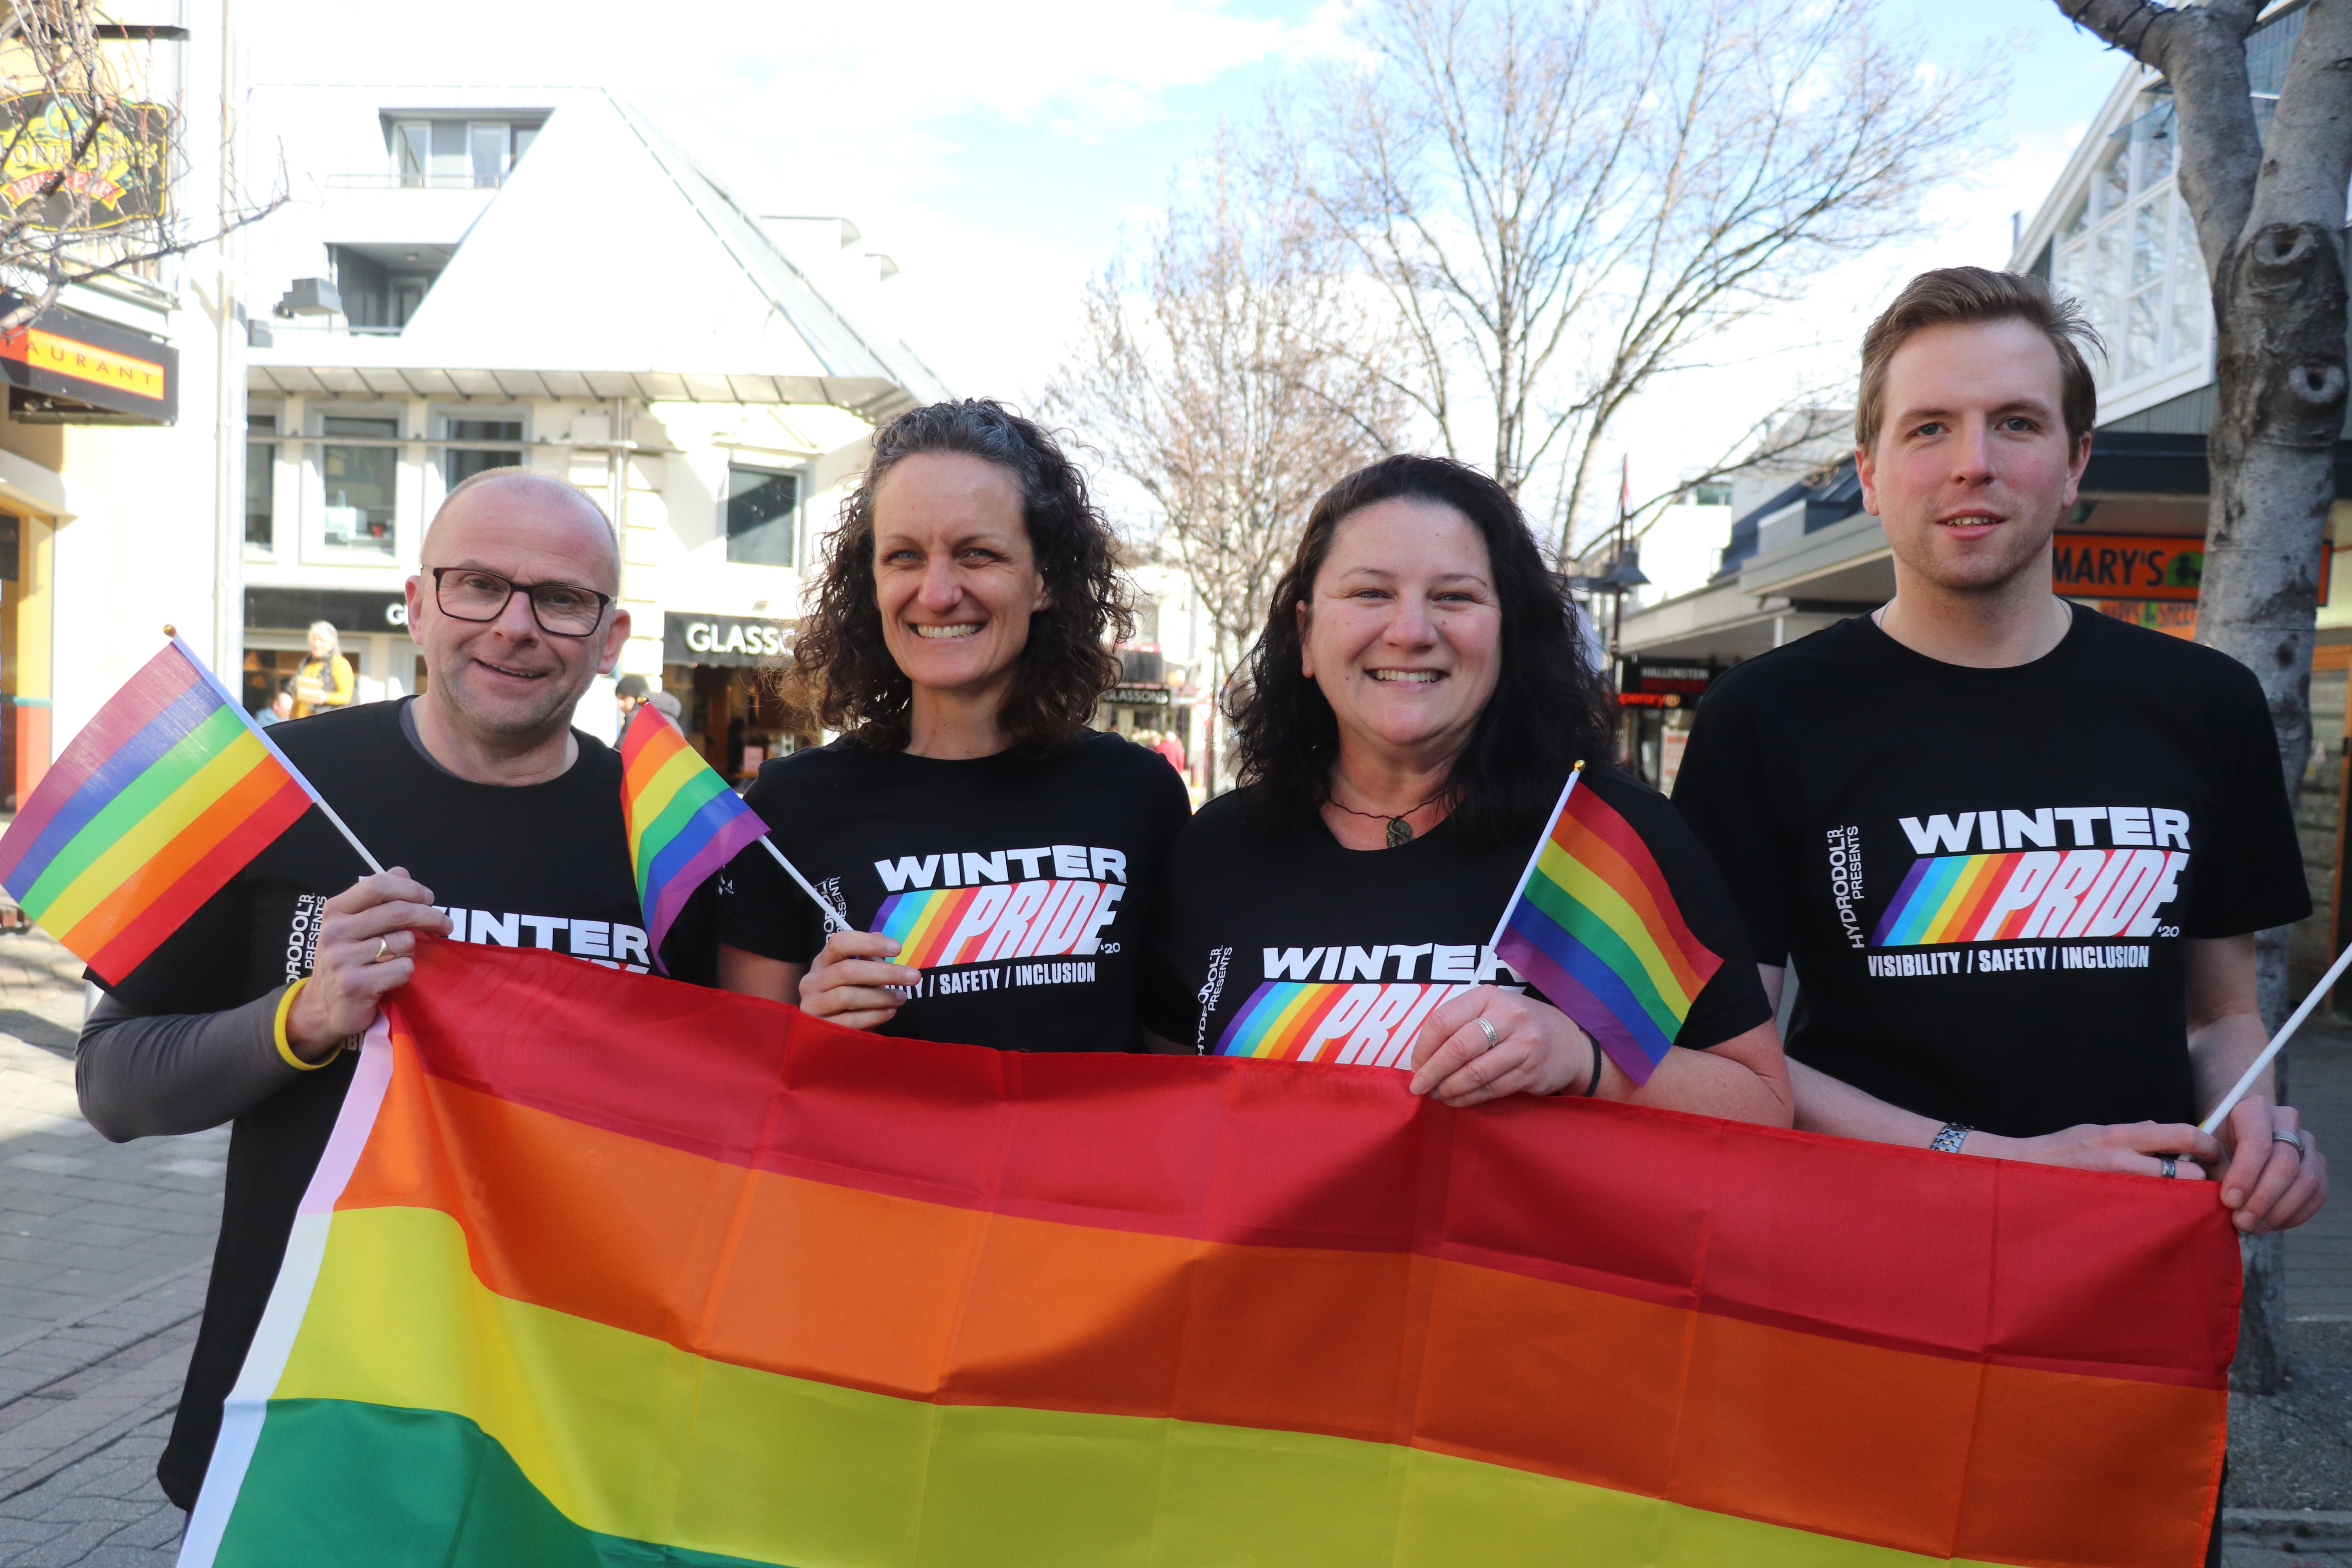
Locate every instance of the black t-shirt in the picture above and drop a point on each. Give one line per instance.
(537, 865)
(1982, 876)
(1274, 939)
(1016, 884)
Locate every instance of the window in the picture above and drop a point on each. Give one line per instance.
(1714, 494)
(460, 463)
(2128, 254)
(763, 515)
(487, 146)
(455, 152)
(260, 475)
(360, 483)
(412, 151)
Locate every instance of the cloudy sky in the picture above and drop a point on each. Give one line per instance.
(1000, 153)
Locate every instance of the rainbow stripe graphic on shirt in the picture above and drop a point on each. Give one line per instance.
(943, 926)
(923, 921)
(2030, 893)
(1367, 1022)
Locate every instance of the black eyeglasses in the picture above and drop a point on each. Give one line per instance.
(561, 610)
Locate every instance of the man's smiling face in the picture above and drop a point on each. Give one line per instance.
(1972, 468)
(506, 679)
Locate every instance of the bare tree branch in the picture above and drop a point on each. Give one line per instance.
(1205, 377)
(1559, 202)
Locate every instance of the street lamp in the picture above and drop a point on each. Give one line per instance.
(1619, 578)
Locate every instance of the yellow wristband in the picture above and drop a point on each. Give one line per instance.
(285, 1006)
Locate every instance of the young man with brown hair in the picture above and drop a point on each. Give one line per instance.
(2016, 850)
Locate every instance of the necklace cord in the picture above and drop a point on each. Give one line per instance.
(1387, 816)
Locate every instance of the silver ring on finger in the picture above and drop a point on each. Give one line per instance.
(383, 950)
(2293, 1141)
(1493, 1039)
(2167, 1167)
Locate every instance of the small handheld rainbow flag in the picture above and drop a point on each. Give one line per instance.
(160, 799)
(684, 822)
(1594, 926)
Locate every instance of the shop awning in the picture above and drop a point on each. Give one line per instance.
(869, 398)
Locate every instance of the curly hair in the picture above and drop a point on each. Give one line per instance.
(1067, 663)
(1549, 709)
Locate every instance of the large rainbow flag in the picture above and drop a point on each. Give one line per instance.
(684, 821)
(1595, 927)
(602, 1269)
(164, 796)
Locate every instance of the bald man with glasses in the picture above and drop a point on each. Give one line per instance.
(501, 824)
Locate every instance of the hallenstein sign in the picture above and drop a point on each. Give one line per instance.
(690, 639)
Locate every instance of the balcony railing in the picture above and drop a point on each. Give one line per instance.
(415, 182)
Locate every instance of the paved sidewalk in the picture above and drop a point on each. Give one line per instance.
(104, 1251)
(2319, 1255)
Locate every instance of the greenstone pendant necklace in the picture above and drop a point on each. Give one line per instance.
(1400, 831)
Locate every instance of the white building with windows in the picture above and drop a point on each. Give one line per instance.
(2114, 234)
(539, 277)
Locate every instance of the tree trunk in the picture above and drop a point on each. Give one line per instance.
(2280, 372)
(2270, 211)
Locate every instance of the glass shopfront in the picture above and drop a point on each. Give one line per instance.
(723, 670)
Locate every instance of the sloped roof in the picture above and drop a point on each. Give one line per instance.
(608, 261)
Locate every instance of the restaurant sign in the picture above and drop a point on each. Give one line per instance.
(2139, 566)
(67, 368)
(62, 175)
(1663, 684)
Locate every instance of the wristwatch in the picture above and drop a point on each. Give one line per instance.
(1950, 1139)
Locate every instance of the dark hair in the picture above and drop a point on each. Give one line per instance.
(1067, 663)
(1550, 708)
(1953, 295)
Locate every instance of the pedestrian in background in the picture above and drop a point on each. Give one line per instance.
(627, 692)
(324, 681)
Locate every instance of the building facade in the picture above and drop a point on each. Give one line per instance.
(125, 403)
(541, 278)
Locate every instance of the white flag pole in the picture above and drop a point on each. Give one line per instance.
(2270, 1051)
(832, 921)
(1536, 854)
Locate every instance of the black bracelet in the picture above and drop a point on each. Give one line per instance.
(1592, 1085)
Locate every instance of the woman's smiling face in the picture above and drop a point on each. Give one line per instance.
(954, 576)
(1403, 630)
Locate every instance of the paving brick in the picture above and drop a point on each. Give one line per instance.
(102, 1269)
(70, 1550)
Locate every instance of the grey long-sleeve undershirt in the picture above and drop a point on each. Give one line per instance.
(176, 1072)
(183, 1072)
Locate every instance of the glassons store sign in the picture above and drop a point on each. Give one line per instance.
(688, 638)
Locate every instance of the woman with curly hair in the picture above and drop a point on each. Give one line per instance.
(1419, 695)
(989, 854)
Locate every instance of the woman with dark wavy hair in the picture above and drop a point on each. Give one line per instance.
(1420, 694)
(967, 825)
